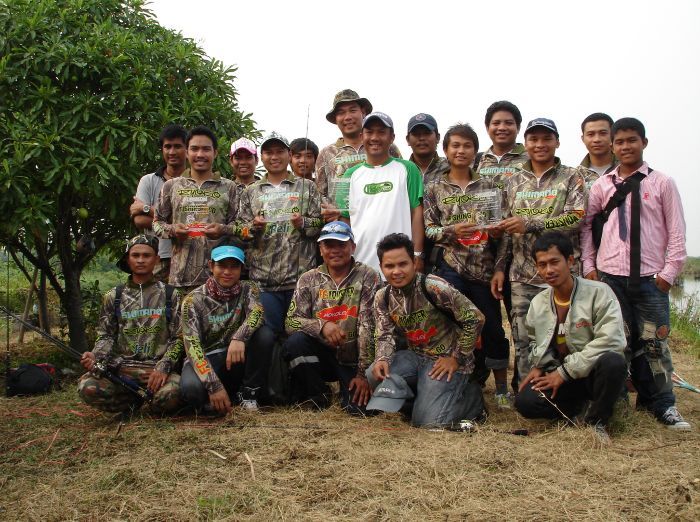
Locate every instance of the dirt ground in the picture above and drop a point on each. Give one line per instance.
(60, 460)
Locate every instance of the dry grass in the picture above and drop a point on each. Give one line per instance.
(60, 460)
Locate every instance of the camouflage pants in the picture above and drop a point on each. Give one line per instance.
(520, 295)
(102, 394)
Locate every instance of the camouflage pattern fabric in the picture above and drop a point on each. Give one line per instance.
(554, 201)
(591, 175)
(144, 333)
(428, 330)
(335, 159)
(438, 166)
(104, 395)
(445, 205)
(318, 300)
(500, 171)
(209, 324)
(280, 253)
(162, 271)
(183, 201)
(521, 295)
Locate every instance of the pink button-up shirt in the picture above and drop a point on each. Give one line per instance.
(662, 225)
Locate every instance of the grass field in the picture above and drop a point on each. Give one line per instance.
(60, 460)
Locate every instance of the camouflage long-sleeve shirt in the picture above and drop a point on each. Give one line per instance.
(279, 253)
(554, 201)
(183, 201)
(335, 159)
(209, 324)
(428, 330)
(318, 300)
(141, 330)
(445, 205)
(438, 166)
(500, 170)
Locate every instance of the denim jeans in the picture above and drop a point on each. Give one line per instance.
(647, 320)
(275, 306)
(436, 403)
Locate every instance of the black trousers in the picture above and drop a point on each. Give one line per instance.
(602, 387)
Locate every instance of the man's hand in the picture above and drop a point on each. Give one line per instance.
(220, 401)
(88, 361)
(463, 230)
(156, 380)
(534, 374)
(662, 284)
(497, 282)
(235, 354)
(136, 207)
(362, 390)
(592, 275)
(181, 232)
(513, 225)
(297, 221)
(259, 223)
(329, 212)
(333, 334)
(380, 370)
(214, 230)
(444, 366)
(551, 381)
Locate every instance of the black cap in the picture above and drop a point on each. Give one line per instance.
(422, 119)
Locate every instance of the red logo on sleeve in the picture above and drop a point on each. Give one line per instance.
(337, 313)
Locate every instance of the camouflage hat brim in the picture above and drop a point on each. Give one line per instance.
(363, 102)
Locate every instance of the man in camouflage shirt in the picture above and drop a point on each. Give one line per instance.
(543, 195)
(331, 325)
(441, 327)
(136, 336)
(228, 347)
(423, 137)
(348, 112)
(280, 216)
(194, 210)
(459, 211)
(243, 159)
(596, 136)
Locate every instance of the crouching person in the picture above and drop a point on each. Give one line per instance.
(136, 337)
(228, 347)
(331, 324)
(577, 341)
(441, 327)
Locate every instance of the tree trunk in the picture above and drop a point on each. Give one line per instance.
(42, 297)
(73, 305)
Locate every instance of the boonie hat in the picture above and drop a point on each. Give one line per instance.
(274, 136)
(391, 394)
(141, 239)
(422, 119)
(227, 252)
(345, 96)
(336, 230)
(384, 118)
(545, 123)
(243, 144)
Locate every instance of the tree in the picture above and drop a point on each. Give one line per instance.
(86, 86)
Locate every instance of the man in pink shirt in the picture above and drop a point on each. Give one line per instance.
(641, 276)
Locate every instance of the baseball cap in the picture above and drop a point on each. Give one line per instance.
(422, 119)
(345, 96)
(244, 144)
(542, 122)
(274, 136)
(391, 394)
(226, 252)
(384, 118)
(141, 239)
(336, 230)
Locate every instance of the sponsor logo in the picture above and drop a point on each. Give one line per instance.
(336, 295)
(377, 188)
(475, 238)
(153, 313)
(583, 324)
(411, 319)
(562, 221)
(536, 194)
(337, 313)
(198, 192)
(533, 211)
(464, 198)
(352, 158)
(421, 336)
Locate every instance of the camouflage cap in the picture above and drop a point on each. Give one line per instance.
(274, 136)
(345, 96)
(141, 239)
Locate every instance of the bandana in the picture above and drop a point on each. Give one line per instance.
(220, 293)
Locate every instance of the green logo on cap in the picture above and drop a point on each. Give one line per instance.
(376, 188)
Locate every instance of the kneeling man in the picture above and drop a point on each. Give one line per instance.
(577, 341)
(441, 327)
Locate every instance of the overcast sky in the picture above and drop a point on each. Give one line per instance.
(561, 60)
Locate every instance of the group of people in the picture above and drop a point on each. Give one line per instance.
(387, 275)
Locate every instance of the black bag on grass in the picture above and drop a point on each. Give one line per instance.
(31, 379)
(279, 388)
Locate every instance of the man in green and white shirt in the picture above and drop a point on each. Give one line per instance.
(385, 194)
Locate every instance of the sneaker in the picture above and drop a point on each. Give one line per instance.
(673, 419)
(249, 404)
(504, 401)
(247, 399)
(601, 433)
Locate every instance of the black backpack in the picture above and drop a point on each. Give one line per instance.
(31, 379)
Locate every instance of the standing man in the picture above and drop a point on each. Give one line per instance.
(423, 138)
(348, 112)
(641, 252)
(137, 334)
(172, 145)
(441, 327)
(280, 216)
(542, 195)
(453, 209)
(194, 210)
(304, 155)
(385, 193)
(331, 324)
(595, 135)
(243, 159)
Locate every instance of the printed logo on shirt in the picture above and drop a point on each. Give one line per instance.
(492, 171)
(153, 313)
(536, 194)
(336, 295)
(533, 211)
(353, 158)
(377, 188)
(583, 324)
(192, 192)
(646, 196)
(406, 321)
(420, 336)
(463, 198)
(337, 313)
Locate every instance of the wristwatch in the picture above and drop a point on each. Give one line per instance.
(418, 255)
(146, 209)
